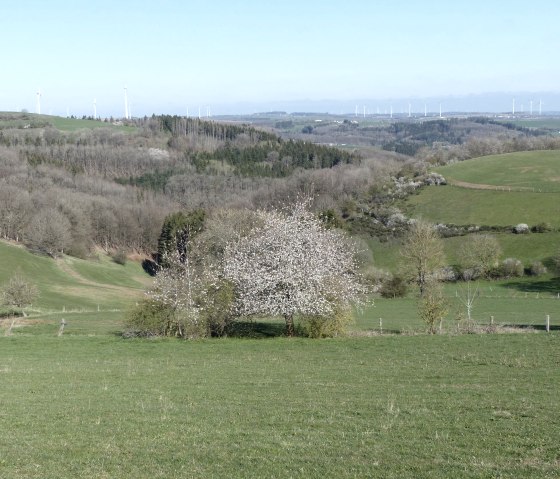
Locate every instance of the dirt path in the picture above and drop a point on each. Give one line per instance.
(482, 186)
(66, 268)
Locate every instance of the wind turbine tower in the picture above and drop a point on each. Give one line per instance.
(38, 103)
(95, 109)
(513, 108)
(440, 110)
(531, 107)
(540, 107)
(125, 103)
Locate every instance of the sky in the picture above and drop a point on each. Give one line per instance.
(240, 56)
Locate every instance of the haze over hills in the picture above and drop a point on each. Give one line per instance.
(496, 102)
(139, 105)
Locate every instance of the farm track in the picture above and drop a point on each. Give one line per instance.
(482, 186)
(67, 269)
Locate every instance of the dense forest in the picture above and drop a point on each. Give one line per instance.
(112, 186)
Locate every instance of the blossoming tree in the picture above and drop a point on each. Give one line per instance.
(290, 265)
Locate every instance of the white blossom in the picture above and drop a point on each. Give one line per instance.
(291, 264)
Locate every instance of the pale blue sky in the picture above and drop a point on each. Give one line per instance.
(174, 54)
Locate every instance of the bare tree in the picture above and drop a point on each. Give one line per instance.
(479, 254)
(422, 254)
(432, 306)
(49, 232)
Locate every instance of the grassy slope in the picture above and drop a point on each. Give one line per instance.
(538, 170)
(389, 407)
(452, 204)
(80, 291)
(535, 170)
(19, 120)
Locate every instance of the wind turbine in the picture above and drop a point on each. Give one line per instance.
(531, 107)
(125, 103)
(95, 109)
(38, 103)
(513, 108)
(540, 107)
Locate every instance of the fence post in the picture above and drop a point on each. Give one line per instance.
(380, 326)
(61, 329)
(548, 323)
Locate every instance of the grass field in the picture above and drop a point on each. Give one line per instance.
(390, 407)
(394, 405)
(21, 120)
(537, 171)
(454, 204)
(71, 288)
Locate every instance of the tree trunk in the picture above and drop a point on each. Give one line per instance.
(289, 325)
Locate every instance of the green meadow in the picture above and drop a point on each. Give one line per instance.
(470, 406)
(535, 171)
(387, 401)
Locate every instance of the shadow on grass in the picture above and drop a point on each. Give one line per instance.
(253, 329)
(550, 286)
(536, 327)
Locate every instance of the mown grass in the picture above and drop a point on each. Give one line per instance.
(454, 205)
(537, 171)
(72, 286)
(389, 407)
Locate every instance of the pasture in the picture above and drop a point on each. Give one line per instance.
(535, 171)
(471, 406)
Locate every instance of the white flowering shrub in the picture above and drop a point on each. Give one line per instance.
(172, 306)
(291, 265)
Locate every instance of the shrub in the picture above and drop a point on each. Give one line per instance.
(18, 292)
(537, 268)
(521, 228)
(512, 267)
(541, 228)
(395, 287)
(335, 324)
(149, 318)
(216, 309)
(119, 257)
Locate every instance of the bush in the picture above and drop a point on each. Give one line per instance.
(149, 318)
(512, 267)
(119, 257)
(18, 292)
(521, 228)
(537, 268)
(395, 287)
(541, 228)
(329, 326)
(217, 307)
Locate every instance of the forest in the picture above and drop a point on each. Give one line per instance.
(112, 186)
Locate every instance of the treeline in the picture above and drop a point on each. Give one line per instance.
(53, 211)
(74, 191)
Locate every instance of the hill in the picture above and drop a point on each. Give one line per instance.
(91, 295)
(497, 190)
